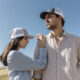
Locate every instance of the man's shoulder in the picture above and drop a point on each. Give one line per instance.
(72, 36)
(48, 35)
(69, 35)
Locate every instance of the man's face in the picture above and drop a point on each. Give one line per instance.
(51, 21)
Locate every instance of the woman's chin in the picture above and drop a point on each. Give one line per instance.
(24, 47)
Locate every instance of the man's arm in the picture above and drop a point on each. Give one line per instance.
(41, 42)
(78, 50)
(37, 74)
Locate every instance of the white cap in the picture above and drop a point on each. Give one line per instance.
(20, 32)
(59, 12)
(52, 10)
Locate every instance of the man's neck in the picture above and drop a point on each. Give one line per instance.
(57, 33)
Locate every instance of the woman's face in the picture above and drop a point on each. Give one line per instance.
(23, 42)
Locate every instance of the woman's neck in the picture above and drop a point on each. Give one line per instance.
(18, 48)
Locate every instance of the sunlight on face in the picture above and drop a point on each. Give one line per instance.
(23, 42)
(51, 21)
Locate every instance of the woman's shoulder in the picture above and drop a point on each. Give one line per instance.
(13, 53)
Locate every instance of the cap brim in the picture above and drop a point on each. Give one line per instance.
(43, 14)
(30, 37)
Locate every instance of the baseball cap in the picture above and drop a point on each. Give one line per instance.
(19, 32)
(52, 10)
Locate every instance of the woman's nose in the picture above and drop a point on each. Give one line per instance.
(27, 41)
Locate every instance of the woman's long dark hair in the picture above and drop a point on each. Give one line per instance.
(13, 45)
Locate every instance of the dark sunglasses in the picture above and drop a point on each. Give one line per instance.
(26, 38)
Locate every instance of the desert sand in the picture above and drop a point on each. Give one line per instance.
(4, 74)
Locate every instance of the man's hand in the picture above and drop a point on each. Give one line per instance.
(42, 40)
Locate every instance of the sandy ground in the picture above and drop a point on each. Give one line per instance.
(4, 74)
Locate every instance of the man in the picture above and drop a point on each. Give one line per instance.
(63, 50)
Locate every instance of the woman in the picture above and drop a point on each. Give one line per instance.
(19, 65)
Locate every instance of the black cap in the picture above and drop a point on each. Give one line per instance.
(43, 14)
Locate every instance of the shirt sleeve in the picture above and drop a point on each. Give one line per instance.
(20, 62)
(37, 51)
(78, 50)
(38, 73)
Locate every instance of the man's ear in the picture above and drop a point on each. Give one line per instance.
(60, 17)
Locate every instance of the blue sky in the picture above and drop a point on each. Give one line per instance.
(26, 14)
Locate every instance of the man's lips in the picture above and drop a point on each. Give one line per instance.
(47, 23)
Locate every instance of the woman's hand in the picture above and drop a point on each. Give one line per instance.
(42, 40)
(37, 79)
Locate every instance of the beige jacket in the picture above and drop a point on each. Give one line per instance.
(63, 59)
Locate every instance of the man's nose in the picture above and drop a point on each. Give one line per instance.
(46, 19)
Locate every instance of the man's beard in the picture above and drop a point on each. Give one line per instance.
(51, 27)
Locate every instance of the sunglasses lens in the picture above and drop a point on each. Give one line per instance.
(25, 38)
